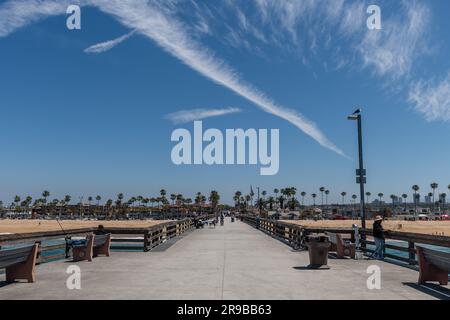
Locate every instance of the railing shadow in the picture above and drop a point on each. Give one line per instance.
(434, 290)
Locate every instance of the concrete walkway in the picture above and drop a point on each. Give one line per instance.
(230, 262)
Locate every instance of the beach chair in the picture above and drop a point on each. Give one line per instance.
(433, 265)
(19, 263)
(340, 246)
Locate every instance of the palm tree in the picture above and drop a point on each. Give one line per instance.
(405, 196)
(67, 199)
(393, 198)
(264, 193)
(303, 194)
(327, 192)
(248, 198)
(368, 194)
(354, 197)
(442, 198)
(415, 189)
(343, 194)
(214, 198)
(380, 197)
(90, 200)
(281, 201)
(163, 193)
(237, 198)
(119, 199)
(276, 191)
(322, 189)
(314, 198)
(271, 201)
(98, 198)
(173, 197)
(45, 194)
(16, 200)
(434, 186)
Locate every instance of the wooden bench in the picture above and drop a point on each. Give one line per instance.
(85, 251)
(19, 263)
(94, 245)
(433, 265)
(102, 244)
(341, 247)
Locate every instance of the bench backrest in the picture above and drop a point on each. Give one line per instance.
(438, 258)
(335, 238)
(10, 257)
(100, 239)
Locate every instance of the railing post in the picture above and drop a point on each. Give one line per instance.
(146, 242)
(412, 252)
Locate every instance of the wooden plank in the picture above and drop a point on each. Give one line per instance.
(12, 252)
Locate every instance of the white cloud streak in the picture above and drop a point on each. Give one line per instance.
(432, 99)
(20, 13)
(108, 45)
(169, 34)
(186, 116)
(392, 50)
(155, 21)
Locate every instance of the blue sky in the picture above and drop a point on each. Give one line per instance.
(87, 123)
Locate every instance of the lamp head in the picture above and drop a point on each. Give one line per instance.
(355, 115)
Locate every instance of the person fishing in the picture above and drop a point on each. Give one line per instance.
(378, 234)
(81, 242)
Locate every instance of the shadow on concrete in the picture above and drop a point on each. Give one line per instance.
(434, 290)
(310, 269)
(6, 283)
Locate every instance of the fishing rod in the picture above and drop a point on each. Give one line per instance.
(66, 238)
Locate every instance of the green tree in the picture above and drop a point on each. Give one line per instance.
(303, 194)
(214, 198)
(343, 194)
(434, 186)
(45, 194)
(314, 198)
(322, 190)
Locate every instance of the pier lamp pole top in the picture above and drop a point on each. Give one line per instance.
(355, 115)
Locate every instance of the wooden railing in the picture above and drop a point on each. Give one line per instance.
(410, 238)
(142, 239)
(290, 234)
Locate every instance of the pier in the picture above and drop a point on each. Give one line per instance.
(235, 261)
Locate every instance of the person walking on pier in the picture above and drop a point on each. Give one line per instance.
(378, 234)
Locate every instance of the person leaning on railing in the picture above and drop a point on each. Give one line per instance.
(378, 234)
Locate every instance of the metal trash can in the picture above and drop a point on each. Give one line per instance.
(318, 246)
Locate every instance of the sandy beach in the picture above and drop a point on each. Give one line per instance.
(424, 227)
(28, 226)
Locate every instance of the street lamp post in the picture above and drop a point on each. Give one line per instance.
(361, 172)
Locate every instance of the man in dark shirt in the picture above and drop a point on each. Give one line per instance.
(378, 234)
(100, 231)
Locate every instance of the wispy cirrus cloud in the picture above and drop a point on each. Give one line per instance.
(169, 34)
(393, 50)
(432, 99)
(108, 45)
(157, 21)
(20, 13)
(186, 116)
